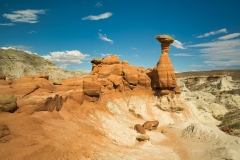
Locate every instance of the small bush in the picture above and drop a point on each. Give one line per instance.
(235, 125)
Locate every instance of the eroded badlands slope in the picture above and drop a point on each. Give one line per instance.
(93, 117)
(15, 64)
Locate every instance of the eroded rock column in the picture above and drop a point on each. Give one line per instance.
(163, 75)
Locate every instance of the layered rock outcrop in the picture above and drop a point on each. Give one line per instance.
(119, 76)
(163, 75)
(40, 93)
(108, 75)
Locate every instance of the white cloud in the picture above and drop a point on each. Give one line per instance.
(105, 55)
(133, 48)
(104, 38)
(223, 53)
(7, 48)
(229, 36)
(27, 16)
(224, 30)
(182, 54)
(98, 17)
(31, 32)
(224, 64)
(197, 65)
(178, 44)
(20, 48)
(98, 4)
(64, 58)
(7, 24)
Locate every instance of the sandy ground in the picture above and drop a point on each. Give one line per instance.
(104, 130)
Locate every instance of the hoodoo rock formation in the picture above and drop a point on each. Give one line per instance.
(163, 75)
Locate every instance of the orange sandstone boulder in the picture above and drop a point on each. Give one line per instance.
(151, 125)
(91, 88)
(77, 96)
(124, 62)
(2, 77)
(130, 74)
(116, 80)
(139, 128)
(111, 59)
(8, 103)
(106, 70)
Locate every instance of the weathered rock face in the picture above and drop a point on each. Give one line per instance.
(114, 75)
(91, 88)
(4, 130)
(163, 75)
(8, 103)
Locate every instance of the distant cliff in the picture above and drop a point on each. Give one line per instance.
(15, 64)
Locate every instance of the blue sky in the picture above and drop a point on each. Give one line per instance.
(71, 33)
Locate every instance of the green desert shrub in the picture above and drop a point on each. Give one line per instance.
(235, 125)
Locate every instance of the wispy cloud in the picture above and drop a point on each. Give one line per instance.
(105, 55)
(224, 30)
(133, 48)
(222, 53)
(98, 4)
(178, 44)
(64, 58)
(229, 36)
(7, 24)
(104, 38)
(20, 48)
(98, 17)
(27, 16)
(233, 63)
(197, 65)
(31, 32)
(182, 54)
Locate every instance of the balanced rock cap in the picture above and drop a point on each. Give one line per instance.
(164, 38)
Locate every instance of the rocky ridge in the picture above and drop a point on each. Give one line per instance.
(15, 64)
